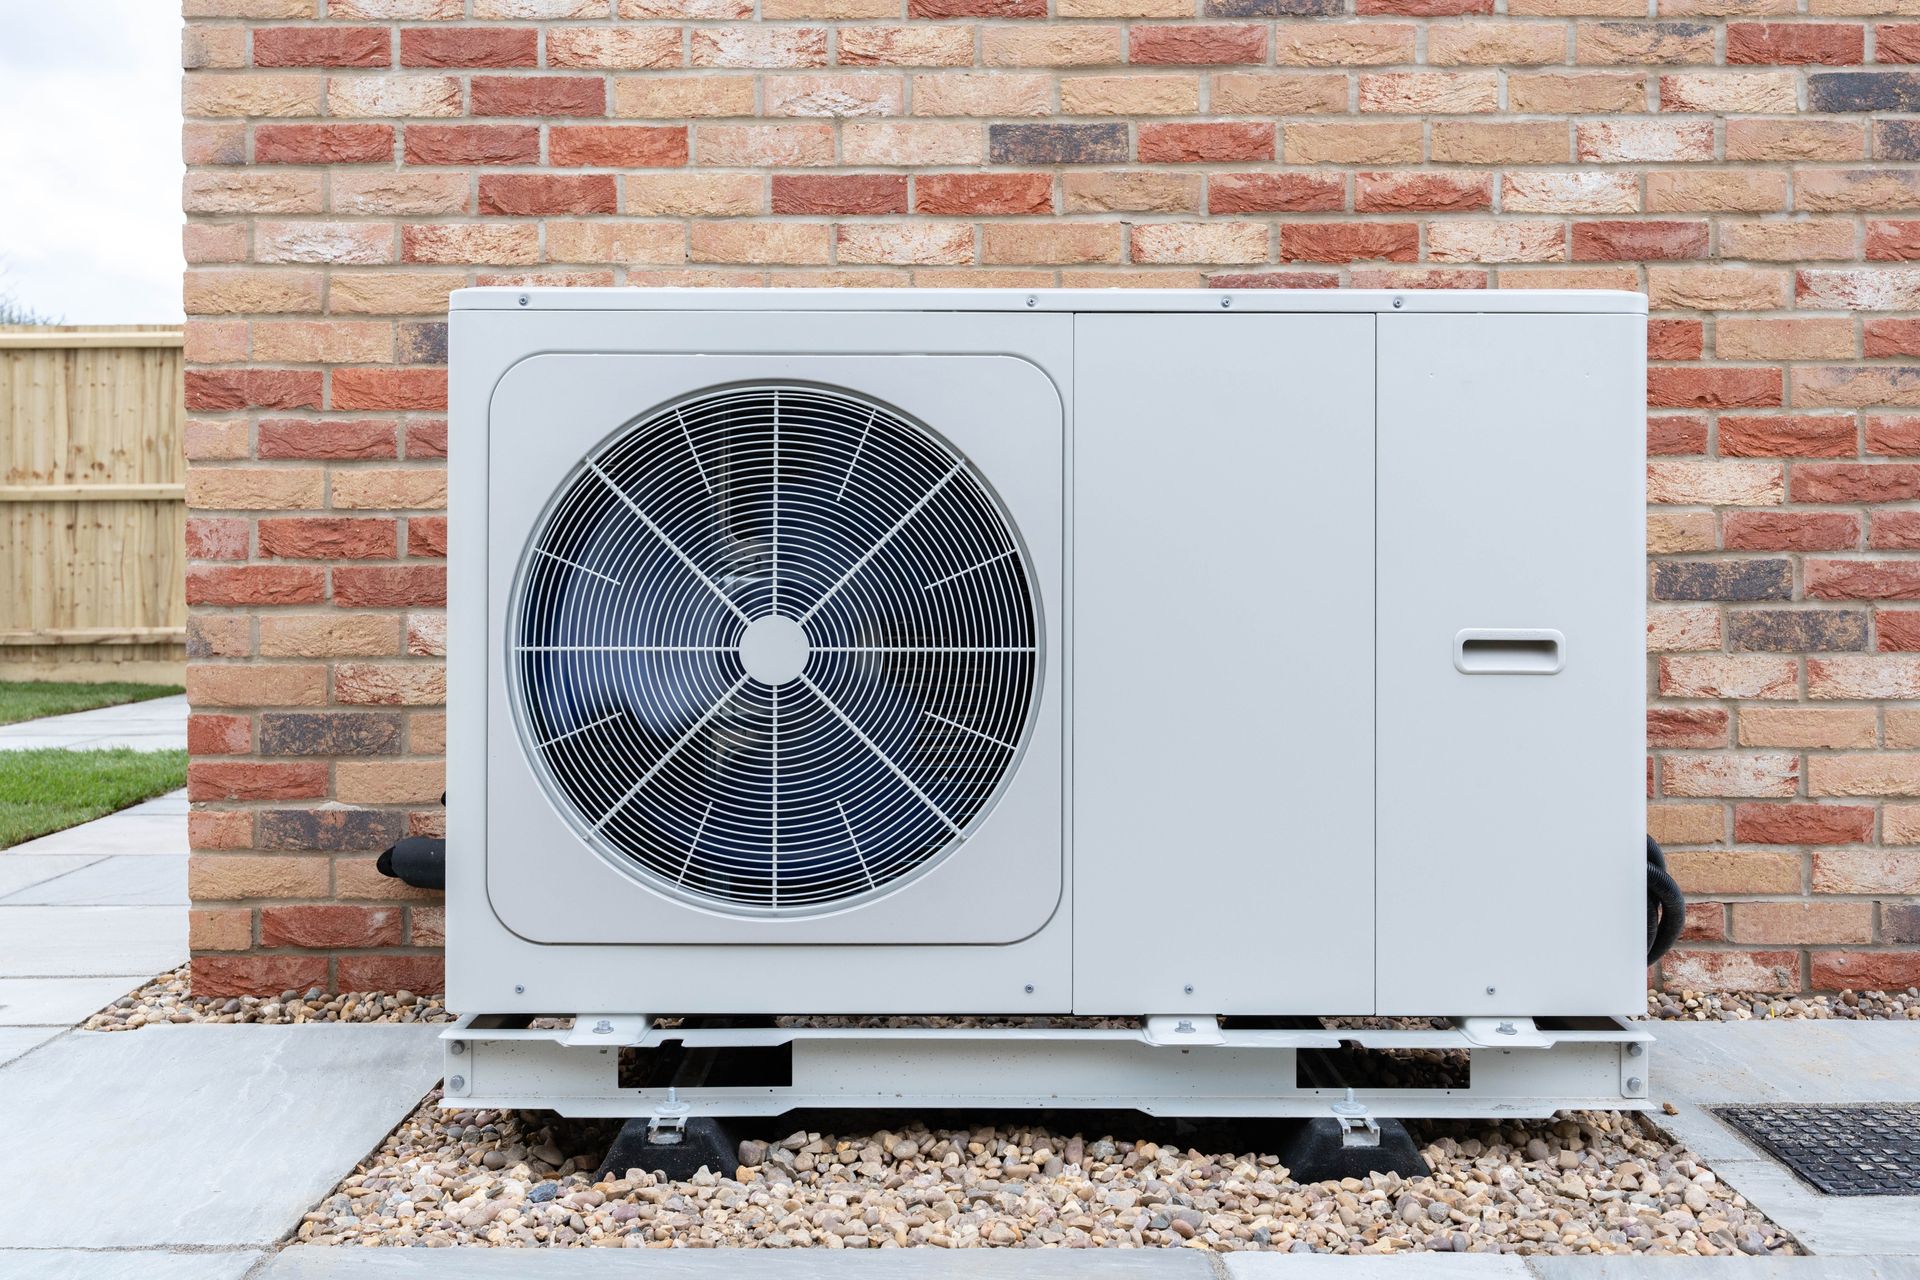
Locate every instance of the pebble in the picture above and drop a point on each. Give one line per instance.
(1580, 1183)
(1744, 1006)
(167, 999)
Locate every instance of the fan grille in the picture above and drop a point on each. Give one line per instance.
(759, 765)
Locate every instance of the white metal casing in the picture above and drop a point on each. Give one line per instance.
(1263, 779)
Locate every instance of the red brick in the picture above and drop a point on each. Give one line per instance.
(1893, 241)
(1894, 531)
(1274, 280)
(427, 536)
(1275, 192)
(539, 96)
(1800, 436)
(216, 538)
(540, 194)
(1349, 241)
(1836, 482)
(426, 439)
(1896, 42)
(1205, 143)
(1738, 388)
(1625, 241)
(976, 8)
(1898, 630)
(1862, 579)
(225, 390)
(320, 438)
(330, 925)
(368, 587)
(1893, 434)
(256, 975)
(1886, 338)
(1422, 192)
(1791, 531)
(1789, 823)
(209, 734)
(329, 538)
(1731, 970)
(420, 973)
(614, 146)
(472, 144)
(1675, 339)
(840, 193)
(974, 194)
(1423, 8)
(1194, 45)
(207, 780)
(1704, 922)
(1864, 970)
(469, 47)
(255, 584)
(390, 388)
(322, 143)
(1687, 726)
(1676, 434)
(1837, 44)
(322, 47)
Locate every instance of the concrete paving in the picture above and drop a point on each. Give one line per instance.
(89, 941)
(155, 828)
(86, 1264)
(1698, 1066)
(119, 881)
(158, 724)
(229, 1132)
(59, 1002)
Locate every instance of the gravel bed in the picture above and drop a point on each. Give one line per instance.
(1587, 1182)
(1743, 1006)
(165, 999)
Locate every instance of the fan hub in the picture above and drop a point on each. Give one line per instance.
(774, 649)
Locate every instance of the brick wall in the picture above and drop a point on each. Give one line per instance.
(1743, 161)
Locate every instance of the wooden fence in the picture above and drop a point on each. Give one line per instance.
(92, 504)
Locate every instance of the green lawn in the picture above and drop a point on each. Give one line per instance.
(29, 700)
(53, 789)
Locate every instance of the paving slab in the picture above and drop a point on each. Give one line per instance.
(59, 1002)
(128, 833)
(127, 1264)
(17, 1041)
(1409, 1266)
(229, 1132)
(157, 724)
(78, 942)
(118, 881)
(24, 870)
(1698, 1066)
(1640, 1267)
(318, 1262)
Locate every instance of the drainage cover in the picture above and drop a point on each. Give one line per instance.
(1842, 1151)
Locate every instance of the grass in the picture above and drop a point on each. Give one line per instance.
(29, 700)
(50, 790)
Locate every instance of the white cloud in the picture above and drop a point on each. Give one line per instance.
(90, 199)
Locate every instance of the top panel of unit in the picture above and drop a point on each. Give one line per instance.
(1564, 301)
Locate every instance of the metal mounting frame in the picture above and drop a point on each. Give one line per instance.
(1208, 1070)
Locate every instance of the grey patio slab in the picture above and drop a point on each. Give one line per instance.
(1640, 1267)
(15, 1041)
(1787, 1061)
(77, 942)
(234, 1131)
(156, 724)
(58, 1002)
(314, 1262)
(126, 1264)
(126, 834)
(1411, 1266)
(20, 871)
(119, 881)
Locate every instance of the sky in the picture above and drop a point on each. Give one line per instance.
(90, 202)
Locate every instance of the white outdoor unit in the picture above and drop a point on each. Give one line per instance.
(1221, 660)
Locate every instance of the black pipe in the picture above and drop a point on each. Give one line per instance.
(1666, 905)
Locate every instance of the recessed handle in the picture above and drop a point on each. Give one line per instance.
(1487, 651)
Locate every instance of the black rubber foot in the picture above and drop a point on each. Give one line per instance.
(706, 1142)
(1313, 1153)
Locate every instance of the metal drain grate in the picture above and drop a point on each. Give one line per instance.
(1841, 1151)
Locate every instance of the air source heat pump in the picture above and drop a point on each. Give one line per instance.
(1159, 678)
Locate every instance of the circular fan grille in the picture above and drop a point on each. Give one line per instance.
(775, 648)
